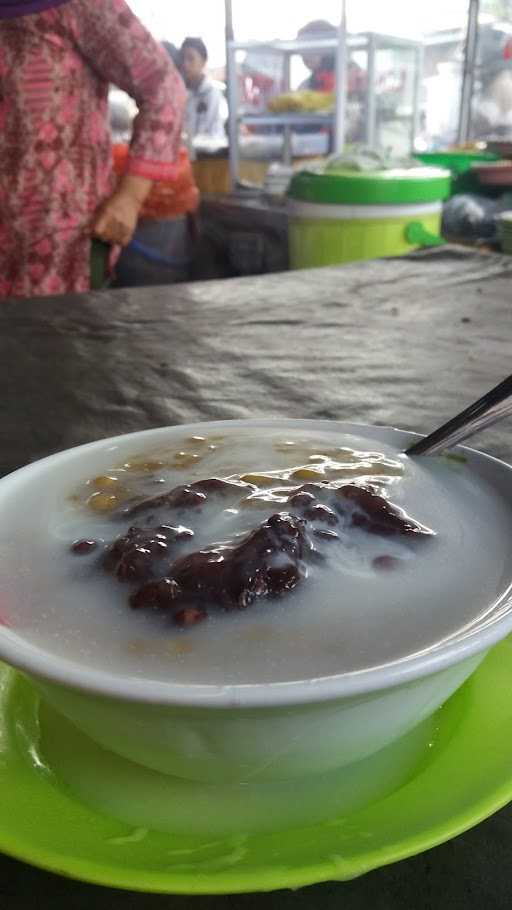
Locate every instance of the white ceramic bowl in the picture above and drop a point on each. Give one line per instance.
(243, 732)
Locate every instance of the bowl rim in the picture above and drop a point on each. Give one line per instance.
(465, 643)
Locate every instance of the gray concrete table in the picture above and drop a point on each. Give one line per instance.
(404, 342)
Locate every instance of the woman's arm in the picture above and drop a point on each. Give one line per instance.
(118, 47)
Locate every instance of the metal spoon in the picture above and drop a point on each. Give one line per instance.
(482, 413)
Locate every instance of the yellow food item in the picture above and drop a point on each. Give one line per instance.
(106, 482)
(260, 480)
(103, 502)
(307, 474)
(303, 101)
(253, 502)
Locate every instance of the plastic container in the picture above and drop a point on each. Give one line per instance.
(161, 252)
(338, 217)
(168, 198)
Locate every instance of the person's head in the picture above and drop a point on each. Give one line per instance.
(173, 52)
(318, 28)
(193, 59)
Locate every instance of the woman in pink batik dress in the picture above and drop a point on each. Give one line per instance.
(57, 188)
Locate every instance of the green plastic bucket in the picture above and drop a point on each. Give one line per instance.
(338, 217)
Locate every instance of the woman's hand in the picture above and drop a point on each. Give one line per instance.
(116, 219)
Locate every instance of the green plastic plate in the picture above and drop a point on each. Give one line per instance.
(465, 777)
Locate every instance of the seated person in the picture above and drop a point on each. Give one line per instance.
(323, 66)
(206, 111)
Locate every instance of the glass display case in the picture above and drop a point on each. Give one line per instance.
(375, 94)
(391, 96)
(258, 73)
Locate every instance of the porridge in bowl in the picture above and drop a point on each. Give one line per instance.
(252, 600)
(257, 555)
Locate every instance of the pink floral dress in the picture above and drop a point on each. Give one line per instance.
(55, 147)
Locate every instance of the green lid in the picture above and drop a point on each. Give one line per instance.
(456, 162)
(397, 186)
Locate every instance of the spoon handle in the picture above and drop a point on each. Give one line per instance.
(491, 407)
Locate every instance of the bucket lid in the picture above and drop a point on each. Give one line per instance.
(387, 187)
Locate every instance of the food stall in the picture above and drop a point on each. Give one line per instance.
(387, 93)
